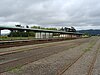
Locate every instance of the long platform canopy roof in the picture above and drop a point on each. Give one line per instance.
(39, 30)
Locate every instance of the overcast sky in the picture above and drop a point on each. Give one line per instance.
(81, 14)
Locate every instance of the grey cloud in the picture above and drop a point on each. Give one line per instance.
(56, 13)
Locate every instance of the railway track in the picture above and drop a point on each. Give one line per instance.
(68, 66)
(29, 58)
(6, 44)
(40, 46)
(93, 62)
(89, 72)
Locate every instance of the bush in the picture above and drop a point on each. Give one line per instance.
(21, 34)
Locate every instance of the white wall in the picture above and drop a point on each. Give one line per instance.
(37, 35)
(43, 35)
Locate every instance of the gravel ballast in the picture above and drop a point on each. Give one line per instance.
(56, 63)
(96, 68)
(51, 65)
(82, 66)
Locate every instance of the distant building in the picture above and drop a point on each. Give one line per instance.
(72, 29)
(43, 35)
(27, 26)
(18, 26)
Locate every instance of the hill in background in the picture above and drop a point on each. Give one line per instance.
(91, 32)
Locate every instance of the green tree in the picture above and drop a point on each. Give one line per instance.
(38, 27)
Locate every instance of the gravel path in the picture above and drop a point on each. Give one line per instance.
(96, 67)
(53, 64)
(41, 45)
(81, 67)
(31, 55)
(56, 64)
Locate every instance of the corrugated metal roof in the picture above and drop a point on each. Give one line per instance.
(39, 30)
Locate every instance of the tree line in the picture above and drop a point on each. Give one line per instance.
(28, 33)
(38, 27)
(22, 34)
(32, 34)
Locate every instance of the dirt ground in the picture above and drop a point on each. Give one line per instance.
(62, 59)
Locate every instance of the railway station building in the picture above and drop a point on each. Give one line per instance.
(41, 33)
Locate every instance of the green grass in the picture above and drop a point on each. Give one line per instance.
(4, 38)
(90, 46)
(16, 69)
(15, 38)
